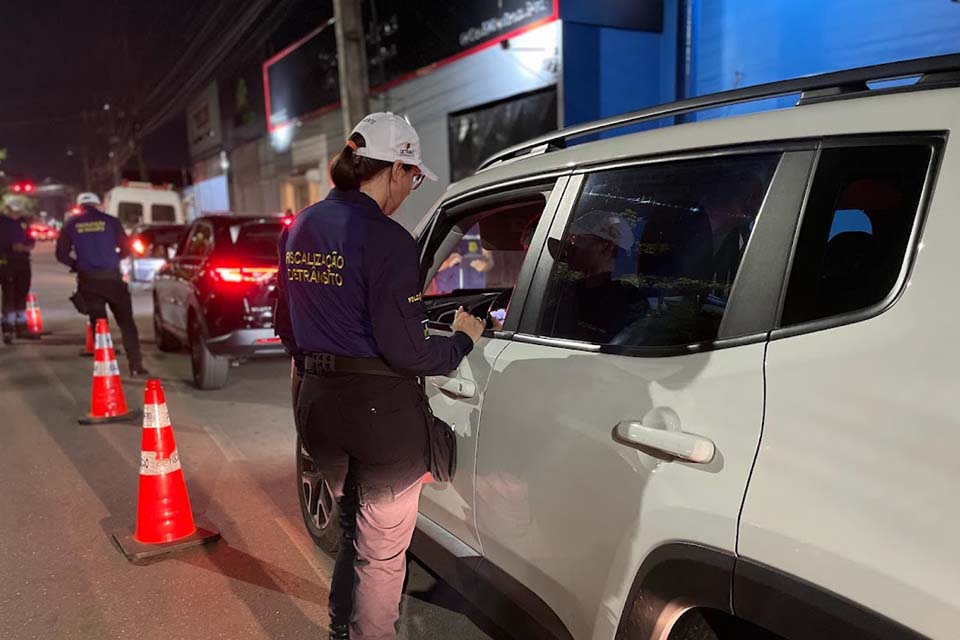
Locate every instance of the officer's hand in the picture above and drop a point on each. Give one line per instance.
(470, 325)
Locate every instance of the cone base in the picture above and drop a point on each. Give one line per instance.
(124, 417)
(135, 551)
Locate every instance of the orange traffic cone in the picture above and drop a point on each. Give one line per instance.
(164, 520)
(34, 317)
(88, 350)
(107, 402)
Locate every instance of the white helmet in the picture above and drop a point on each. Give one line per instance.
(88, 198)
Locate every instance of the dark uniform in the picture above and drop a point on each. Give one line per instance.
(14, 275)
(98, 243)
(355, 324)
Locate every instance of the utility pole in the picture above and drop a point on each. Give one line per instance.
(351, 62)
(85, 158)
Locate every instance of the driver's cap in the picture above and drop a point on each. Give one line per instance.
(607, 225)
(391, 138)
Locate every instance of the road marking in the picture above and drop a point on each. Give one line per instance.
(323, 565)
(229, 450)
(58, 384)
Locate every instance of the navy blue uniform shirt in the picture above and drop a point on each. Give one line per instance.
(13, 232)
(95, 238)
(349, 276)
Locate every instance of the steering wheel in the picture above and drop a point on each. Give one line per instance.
(480, 308)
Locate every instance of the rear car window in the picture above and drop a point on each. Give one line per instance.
(130, 213)
(256, 238)
(159, 243)
(855, 230)
(163, 213)
(651, 252)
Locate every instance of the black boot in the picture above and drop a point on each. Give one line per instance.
(7, 334)
(24, 334)
(139, 371)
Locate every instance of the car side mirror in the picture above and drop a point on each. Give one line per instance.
(554, 248)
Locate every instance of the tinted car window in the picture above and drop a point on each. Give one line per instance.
(489, 249)
(200, 241)
(159, 242)
(258, 239)
(130, 213)
(855, 229)
(163, 213)
(651, 252)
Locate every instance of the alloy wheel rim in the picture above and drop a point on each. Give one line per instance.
(316, 494)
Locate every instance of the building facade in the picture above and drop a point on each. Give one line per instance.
(476, 79)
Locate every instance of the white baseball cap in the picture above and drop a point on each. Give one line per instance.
(88, 198)
(607, 225)
(391, 138)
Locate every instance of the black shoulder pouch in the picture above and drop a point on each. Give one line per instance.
(79, 303)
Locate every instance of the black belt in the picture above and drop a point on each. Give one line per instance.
(327, 363)
(100, 274)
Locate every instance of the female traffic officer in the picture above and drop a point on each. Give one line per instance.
(349, 278)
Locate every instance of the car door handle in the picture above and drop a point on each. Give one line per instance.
(677, 444)
(460, 387)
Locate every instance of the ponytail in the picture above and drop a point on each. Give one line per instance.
(349, 170)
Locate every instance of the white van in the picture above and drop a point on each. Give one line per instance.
(137, 203)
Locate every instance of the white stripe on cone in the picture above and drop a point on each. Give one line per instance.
(151, 464)
(156, 416)
(103, 341)
(105, 369)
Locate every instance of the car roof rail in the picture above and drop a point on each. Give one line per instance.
(933, 72)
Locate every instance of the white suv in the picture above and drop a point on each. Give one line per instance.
(720, 403)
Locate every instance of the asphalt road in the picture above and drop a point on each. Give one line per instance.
(66, 487)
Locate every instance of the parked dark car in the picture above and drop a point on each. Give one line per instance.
(216, 295)
(151, 246)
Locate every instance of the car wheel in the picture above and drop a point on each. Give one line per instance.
(317, 506)
(165, 341)
(209, 371)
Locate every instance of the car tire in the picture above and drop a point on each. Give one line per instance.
(317, 506)
(165, 341)
(209, 371)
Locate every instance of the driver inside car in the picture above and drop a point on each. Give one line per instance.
(595, 307)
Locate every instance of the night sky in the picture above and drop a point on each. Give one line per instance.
(60, 58)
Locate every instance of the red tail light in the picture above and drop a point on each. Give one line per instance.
(138, 246)
(249, 275)
(287, 220)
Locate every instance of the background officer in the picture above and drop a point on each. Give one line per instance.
(15, 248)
(98, 243)
(350, 277)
